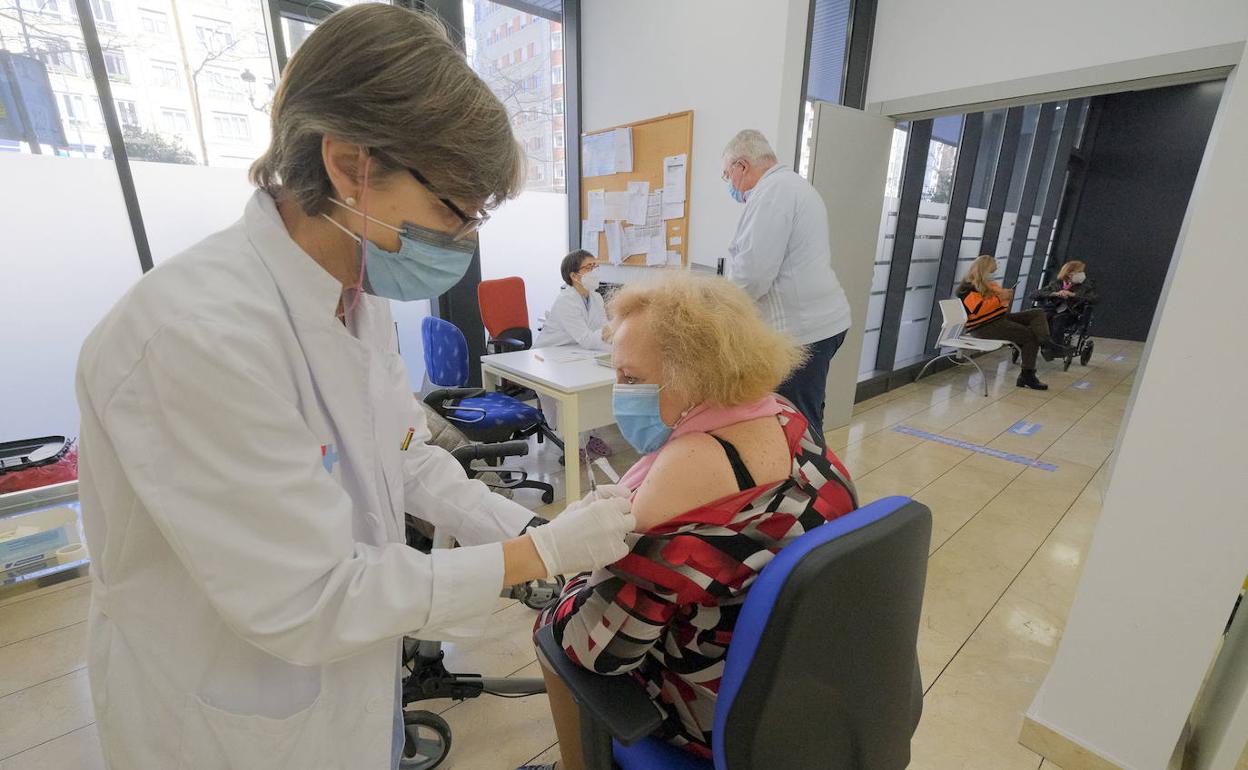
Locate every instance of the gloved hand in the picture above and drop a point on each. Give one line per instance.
(606, 492)
(586, 536)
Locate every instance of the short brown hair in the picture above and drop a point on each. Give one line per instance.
(573, 262)
(1068, 269)
(714, 345)
(390, 80)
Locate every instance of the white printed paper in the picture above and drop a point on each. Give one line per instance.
(623, 150)
(674, 242)
(656, 255)
(672, 210)
(598, 154)
(654, 209)
(615, 243)
(597, 205)
(638, 199)
(616, 206)
(589, 239)
(674, 177)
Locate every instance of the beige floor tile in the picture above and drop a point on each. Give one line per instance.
(43, 613)
(79, 750)
(865, 456)
(909, 472)
(36, 660)
(546, 757)
(500, 733)
(505, 647)
(41, 713)
(25, 592)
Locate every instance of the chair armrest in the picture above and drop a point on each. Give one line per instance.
(436, 398)
(616, 702)
(503, 344)
(470, 452)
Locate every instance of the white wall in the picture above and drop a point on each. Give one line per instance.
(929, 55)
(736, 63)
(1171, 547)
(528, 237)
(66, 255)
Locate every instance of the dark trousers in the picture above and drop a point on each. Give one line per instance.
(808, 383)
(1028, 329)
(1059, 323)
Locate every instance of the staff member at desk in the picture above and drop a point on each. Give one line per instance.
(250, 441)
(780, 255)
(578, 317)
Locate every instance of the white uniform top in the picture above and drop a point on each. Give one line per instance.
(243, 494)
(575, 320)
(781, 257)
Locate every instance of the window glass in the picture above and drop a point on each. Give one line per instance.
(884, 252)
(1022, 158)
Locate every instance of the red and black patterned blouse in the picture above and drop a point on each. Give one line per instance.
(665, 612)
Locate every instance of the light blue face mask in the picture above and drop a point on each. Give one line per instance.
(736, 194)
(427, 264)
(636, 410)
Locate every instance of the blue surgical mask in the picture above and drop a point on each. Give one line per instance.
(427, 264)
(736, 194)
(636, 410)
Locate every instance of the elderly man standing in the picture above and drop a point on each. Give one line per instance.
(781, 257)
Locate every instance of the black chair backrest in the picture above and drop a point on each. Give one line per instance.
(835, 681)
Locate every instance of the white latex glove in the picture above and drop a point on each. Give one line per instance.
(586, 536)
(604, 492)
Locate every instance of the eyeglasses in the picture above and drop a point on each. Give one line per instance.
(724, 175)
(468, 224)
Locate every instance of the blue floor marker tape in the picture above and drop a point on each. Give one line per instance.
(997, 453)
(1118, 357)
(1082, 385)
(1024, 428)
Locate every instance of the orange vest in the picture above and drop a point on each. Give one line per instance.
(981, 308)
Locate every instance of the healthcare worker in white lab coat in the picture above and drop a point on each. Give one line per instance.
(250, 441)
(578, 318)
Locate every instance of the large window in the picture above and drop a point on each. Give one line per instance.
(884, 251)
(829, 35)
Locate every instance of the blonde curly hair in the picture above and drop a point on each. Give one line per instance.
(714, 345)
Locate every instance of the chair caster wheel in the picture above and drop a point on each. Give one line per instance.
(548, 497)
(428, 740)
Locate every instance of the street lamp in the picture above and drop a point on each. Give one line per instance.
(248, 77)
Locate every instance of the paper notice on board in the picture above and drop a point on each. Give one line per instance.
(654, 209)
(656, 254)
(674, 242)
(638, 198)
(589, 238)
(673, 258)
(616, 206)
(598, 154)
(673, 210)
(596, 214)
(674, 177)
(623, 149)
(615, 243)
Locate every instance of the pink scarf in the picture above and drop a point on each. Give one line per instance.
(703, 419)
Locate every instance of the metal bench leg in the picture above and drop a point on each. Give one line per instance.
(929, 363)
(982, 376)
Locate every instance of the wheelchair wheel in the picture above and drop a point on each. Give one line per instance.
(1066, 362)
(428, 740)
(540, 593)
(1085, 355)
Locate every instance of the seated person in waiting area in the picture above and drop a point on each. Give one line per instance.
(1065, 298)
(730, 475)
(988, 316)
(578, 317)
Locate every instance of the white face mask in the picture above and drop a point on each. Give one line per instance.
(590, 280)
(1079, 277)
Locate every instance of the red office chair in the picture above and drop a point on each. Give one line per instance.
(505, 314)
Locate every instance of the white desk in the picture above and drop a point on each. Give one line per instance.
(571, 377)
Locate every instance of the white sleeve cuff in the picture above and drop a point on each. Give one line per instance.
(466, 585)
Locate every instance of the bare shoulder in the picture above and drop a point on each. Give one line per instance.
(690, 471)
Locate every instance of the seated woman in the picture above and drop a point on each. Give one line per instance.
(988, 316)
(578, 317)
(1065, 298)
(730, 475)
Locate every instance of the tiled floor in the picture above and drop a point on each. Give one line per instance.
(1007, 546)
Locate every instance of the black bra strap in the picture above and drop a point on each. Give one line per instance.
(744, 479)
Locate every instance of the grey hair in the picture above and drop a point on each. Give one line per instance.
(390, 80)
(749, 145)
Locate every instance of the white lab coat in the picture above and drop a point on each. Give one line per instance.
(571, 322)
(243, 494)
(781, 256)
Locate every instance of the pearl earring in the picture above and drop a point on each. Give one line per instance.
(350, 201)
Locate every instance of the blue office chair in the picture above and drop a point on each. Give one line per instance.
(482, 416)
(822, 671)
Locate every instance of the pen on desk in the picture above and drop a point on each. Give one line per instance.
(408, 441)
(539, 357)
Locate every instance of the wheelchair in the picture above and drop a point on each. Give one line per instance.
(1077, 336)
(425, 676)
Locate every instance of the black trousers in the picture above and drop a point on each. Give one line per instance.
(1059, 323)
(1028, 329)
(807, 384)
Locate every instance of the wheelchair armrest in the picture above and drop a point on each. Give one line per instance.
(617, 703)
(437, 397)
(504, 344)
(466, 454)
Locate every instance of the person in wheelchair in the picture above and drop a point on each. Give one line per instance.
(730, 475)
(1066, 298)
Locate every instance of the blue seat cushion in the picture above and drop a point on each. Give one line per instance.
(501, 411)
(654, 754)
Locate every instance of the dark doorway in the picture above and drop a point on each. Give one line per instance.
(1129, 189)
